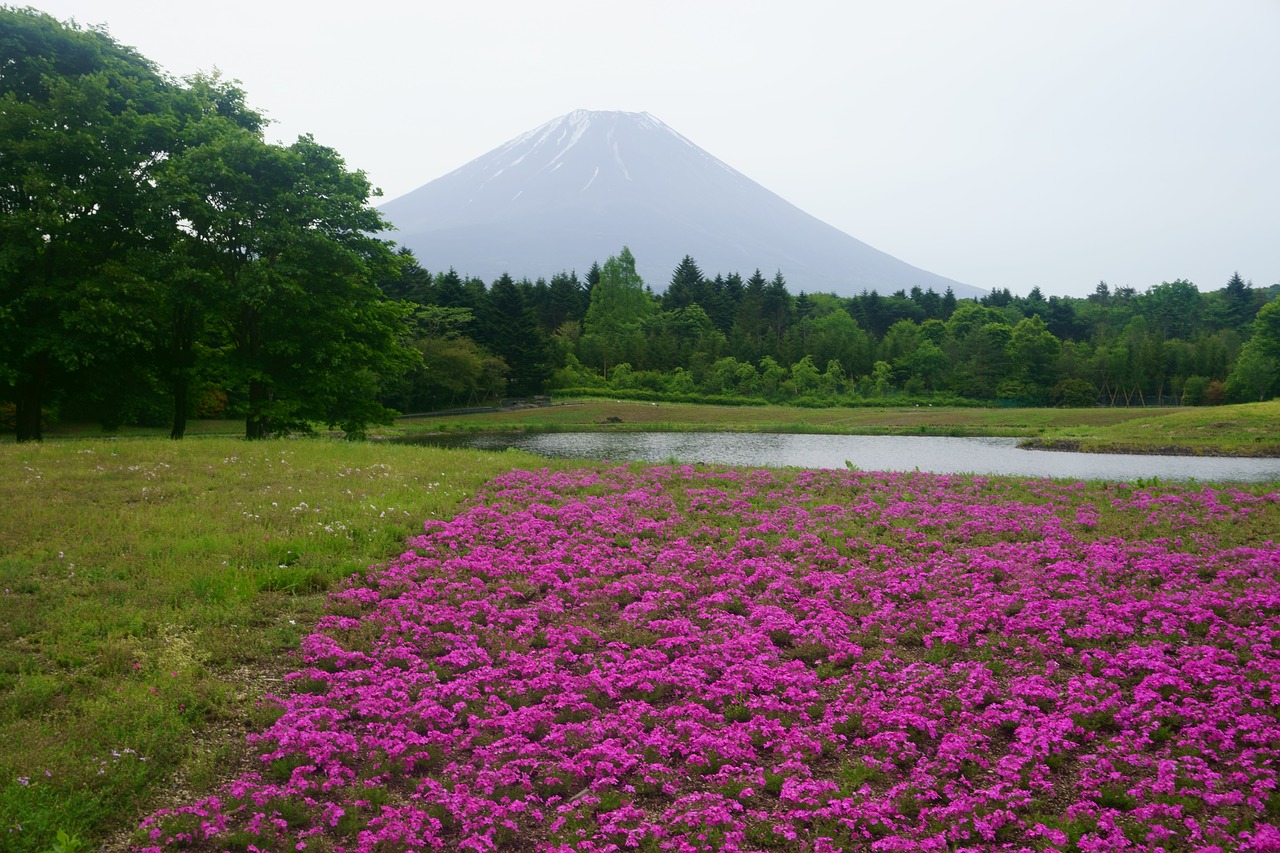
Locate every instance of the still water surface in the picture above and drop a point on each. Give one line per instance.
(877, 453)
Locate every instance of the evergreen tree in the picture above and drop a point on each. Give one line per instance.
(1060, 316)
(866, 309)
(803, 307)
(948, 304)
(412, 283)
(619, 306)
(750, 325)
(448, 292)
(514, 336)
(686, 287)
(997, 298)
(720, 303)
(778, 311)
(1239, 304)
(931, 303)
(537, 298)
(676, 339)
(734, 290)
(568, 300)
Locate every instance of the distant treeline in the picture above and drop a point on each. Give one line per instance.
(160, 259)
(727, 338)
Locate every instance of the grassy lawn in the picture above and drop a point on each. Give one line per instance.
(1252, 429)
(152, 591)
(1249, 429)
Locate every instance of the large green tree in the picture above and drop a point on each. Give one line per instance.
(680, 338)
(275, 248)
(1256, 373)
(611, 330)
(312, 331)
(84, 123)
(1034, 353)
(687, 286)
(149, 235)
(837, 337)
(1172, 308)
(188, 260)
(1237, 301)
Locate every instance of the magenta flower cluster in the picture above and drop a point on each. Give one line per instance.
(683, 659)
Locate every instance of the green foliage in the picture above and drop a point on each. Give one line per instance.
(514, 336)
(65, 843)
(286, 232)
(1034, 352)
(619, 306)
(1075, 393)
(154, 243)
(1255, 376)
(85, 123)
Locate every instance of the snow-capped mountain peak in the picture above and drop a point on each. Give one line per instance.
(576, 189)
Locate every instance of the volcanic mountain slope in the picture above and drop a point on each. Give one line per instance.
(580, 187)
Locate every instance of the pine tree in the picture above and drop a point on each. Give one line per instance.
(778, 312)
(1238, 297)
(413, 284)
(948, 304)
(568, 300)
(447, 291)
(618, 309)
(512, 333)
(749, 326)
(686, 286)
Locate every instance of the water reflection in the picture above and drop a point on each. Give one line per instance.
(939, 455)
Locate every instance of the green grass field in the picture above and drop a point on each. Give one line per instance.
(1251, 429)
(152, 591)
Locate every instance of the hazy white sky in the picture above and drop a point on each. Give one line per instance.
(1002, 144)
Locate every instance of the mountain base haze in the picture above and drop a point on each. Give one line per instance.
(579, 187)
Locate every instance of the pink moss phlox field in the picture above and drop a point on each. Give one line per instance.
(686, 659)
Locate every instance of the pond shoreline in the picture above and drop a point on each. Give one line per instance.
(1072, 445)
(977, 455)
(1244, 431)
(1059, 445)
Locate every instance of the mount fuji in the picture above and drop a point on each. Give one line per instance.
(580, 187)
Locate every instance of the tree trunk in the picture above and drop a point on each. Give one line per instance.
(183, 360)
(181, 404)
(27, 415)
(256, 421)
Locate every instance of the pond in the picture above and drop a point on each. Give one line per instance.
(937, 455)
